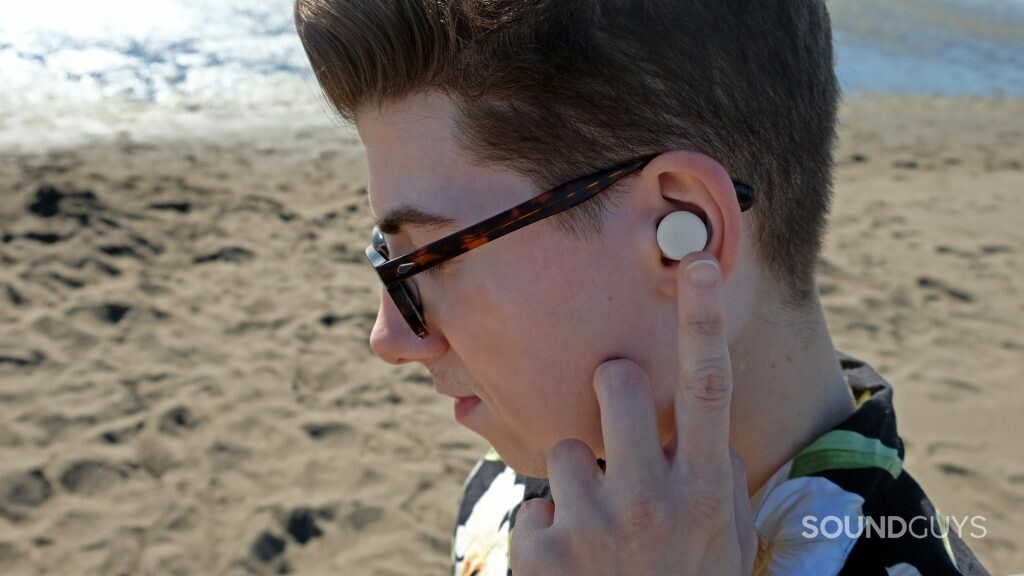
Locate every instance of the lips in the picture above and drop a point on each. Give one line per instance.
(464, 407)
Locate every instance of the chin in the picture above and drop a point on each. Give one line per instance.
(530, 468)
(526, 462)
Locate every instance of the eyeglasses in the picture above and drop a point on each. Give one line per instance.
(396, 273)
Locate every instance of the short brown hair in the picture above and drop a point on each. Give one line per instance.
(553, 89)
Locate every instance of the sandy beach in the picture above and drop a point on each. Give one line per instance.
(186, 383)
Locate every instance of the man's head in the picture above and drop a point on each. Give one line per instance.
(468, 108)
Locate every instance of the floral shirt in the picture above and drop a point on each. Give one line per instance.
(843, 505)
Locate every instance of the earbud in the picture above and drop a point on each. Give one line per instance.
(681, 233)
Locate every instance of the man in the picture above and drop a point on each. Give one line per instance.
(647, 415)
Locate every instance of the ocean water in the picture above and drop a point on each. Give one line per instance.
(162, 51)
(181, 52)
(951, 47)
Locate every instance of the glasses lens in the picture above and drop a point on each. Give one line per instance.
(409, 307)
(405, 294)
(414, 293)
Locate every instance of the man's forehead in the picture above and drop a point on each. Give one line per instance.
(419, 177)
(410, 156)
(426, 116)
(404, 197)
(407, 200)
(406, 194)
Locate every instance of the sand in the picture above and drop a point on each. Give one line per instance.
(186, 385)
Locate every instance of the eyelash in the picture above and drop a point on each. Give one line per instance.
(438, 269)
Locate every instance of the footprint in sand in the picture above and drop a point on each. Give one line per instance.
(28, 489)
(105, 312)
(941, 287)
(177, 420)
(302, 524)
(91, 477)
(332, 431)
(267, 547)
(20, 359)
(122, 434)
(952, 390)
(954, 458)
(228, 254)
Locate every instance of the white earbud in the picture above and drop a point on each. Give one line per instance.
(681, 233)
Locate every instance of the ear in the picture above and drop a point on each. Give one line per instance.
(692, 181)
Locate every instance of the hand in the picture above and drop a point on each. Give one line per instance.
(680, 510)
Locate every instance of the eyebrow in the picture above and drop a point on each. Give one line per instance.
(403, 216)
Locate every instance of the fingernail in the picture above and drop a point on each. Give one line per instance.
(618, 370)
(702, 272)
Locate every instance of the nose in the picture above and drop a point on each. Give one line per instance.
(394, 342)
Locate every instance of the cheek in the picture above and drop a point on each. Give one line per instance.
(517, 329)
(510, 300)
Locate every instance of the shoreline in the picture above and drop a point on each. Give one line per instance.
(69, 124)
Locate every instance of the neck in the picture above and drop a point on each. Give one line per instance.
(789, 387)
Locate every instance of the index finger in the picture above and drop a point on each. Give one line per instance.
(704, 391)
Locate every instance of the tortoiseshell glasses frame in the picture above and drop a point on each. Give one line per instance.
(396, 273)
